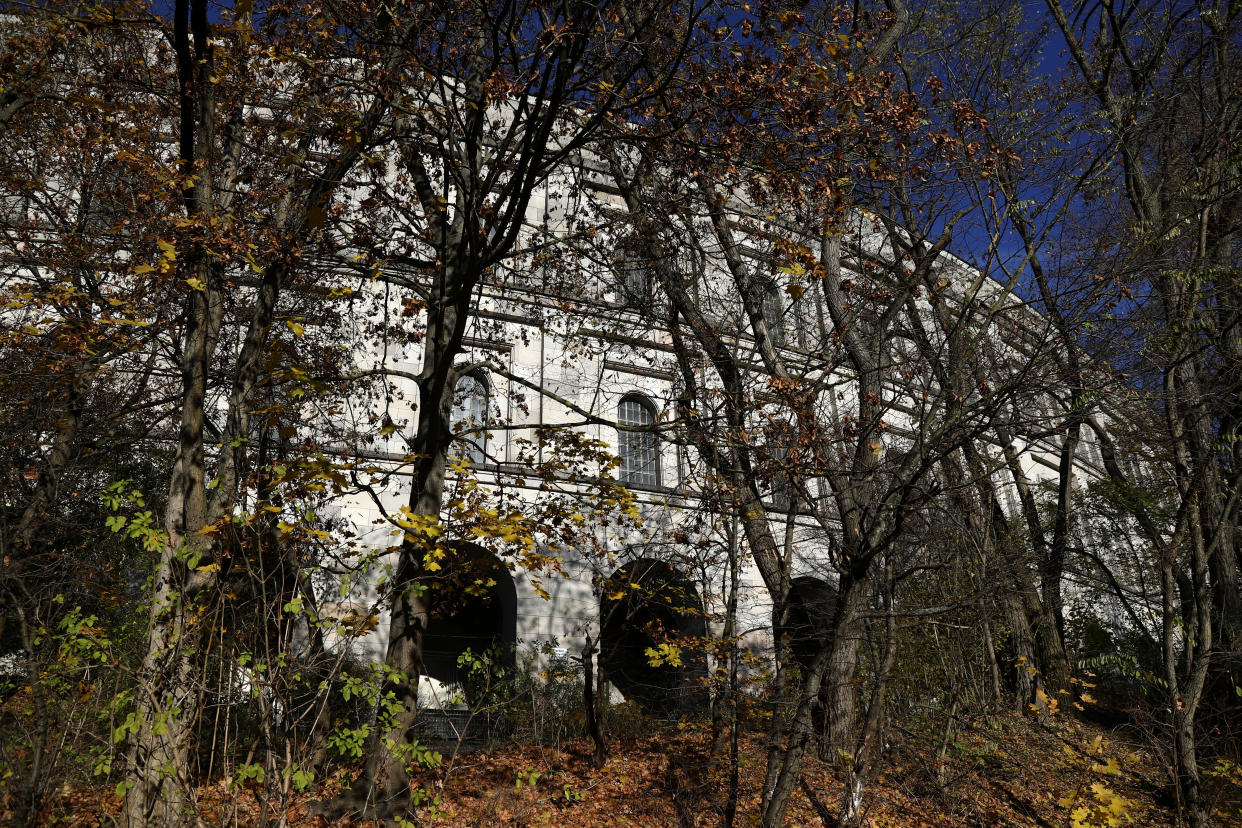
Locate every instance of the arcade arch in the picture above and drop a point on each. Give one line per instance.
(646, 603)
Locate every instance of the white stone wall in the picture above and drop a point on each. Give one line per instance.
(590, 359)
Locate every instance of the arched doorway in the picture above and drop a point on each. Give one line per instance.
(646, 604)
(810, 606)
(473, 607)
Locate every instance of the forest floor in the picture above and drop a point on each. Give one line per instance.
(1001, 770)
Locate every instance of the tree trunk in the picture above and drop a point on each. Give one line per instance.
(1188, 769)
(870, 739)
(166, 704)
(841, 694)
(1023, 651)
(800, 734)
(166, 699)
(600, 757)
(158, 756)
(393, 751)
(833, 668)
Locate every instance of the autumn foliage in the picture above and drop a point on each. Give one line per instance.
(307, 311)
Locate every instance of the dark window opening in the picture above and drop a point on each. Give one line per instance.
(634, 281)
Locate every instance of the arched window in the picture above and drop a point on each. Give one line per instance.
(638, 450)
(469, 418)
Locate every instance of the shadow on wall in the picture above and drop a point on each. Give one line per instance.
(647, 604)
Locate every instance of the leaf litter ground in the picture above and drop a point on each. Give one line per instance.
(1001, 770)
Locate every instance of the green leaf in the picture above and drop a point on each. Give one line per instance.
(302, 780)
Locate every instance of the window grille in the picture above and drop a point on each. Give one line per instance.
(633, 277)
(1013, 507)
(774, 314)
(782, 481)
(637, 449)
(469, 418)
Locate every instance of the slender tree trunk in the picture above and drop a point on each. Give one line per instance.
(800, 734)
(389, 758)
(1188, 769)
(867, 749)
(158, 787)
(1043, 611)
(166, 703)
(1186, 764)
(725, 702)
(392, 753)
(990, 651)
(780, 686)
(166, 697)
(730, 813)
(600, 757)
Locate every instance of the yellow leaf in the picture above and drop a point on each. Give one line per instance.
(196, 284)
(669, 654)
(297, 329)
(1111, 768)
(1049, 702)
(143, 269)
